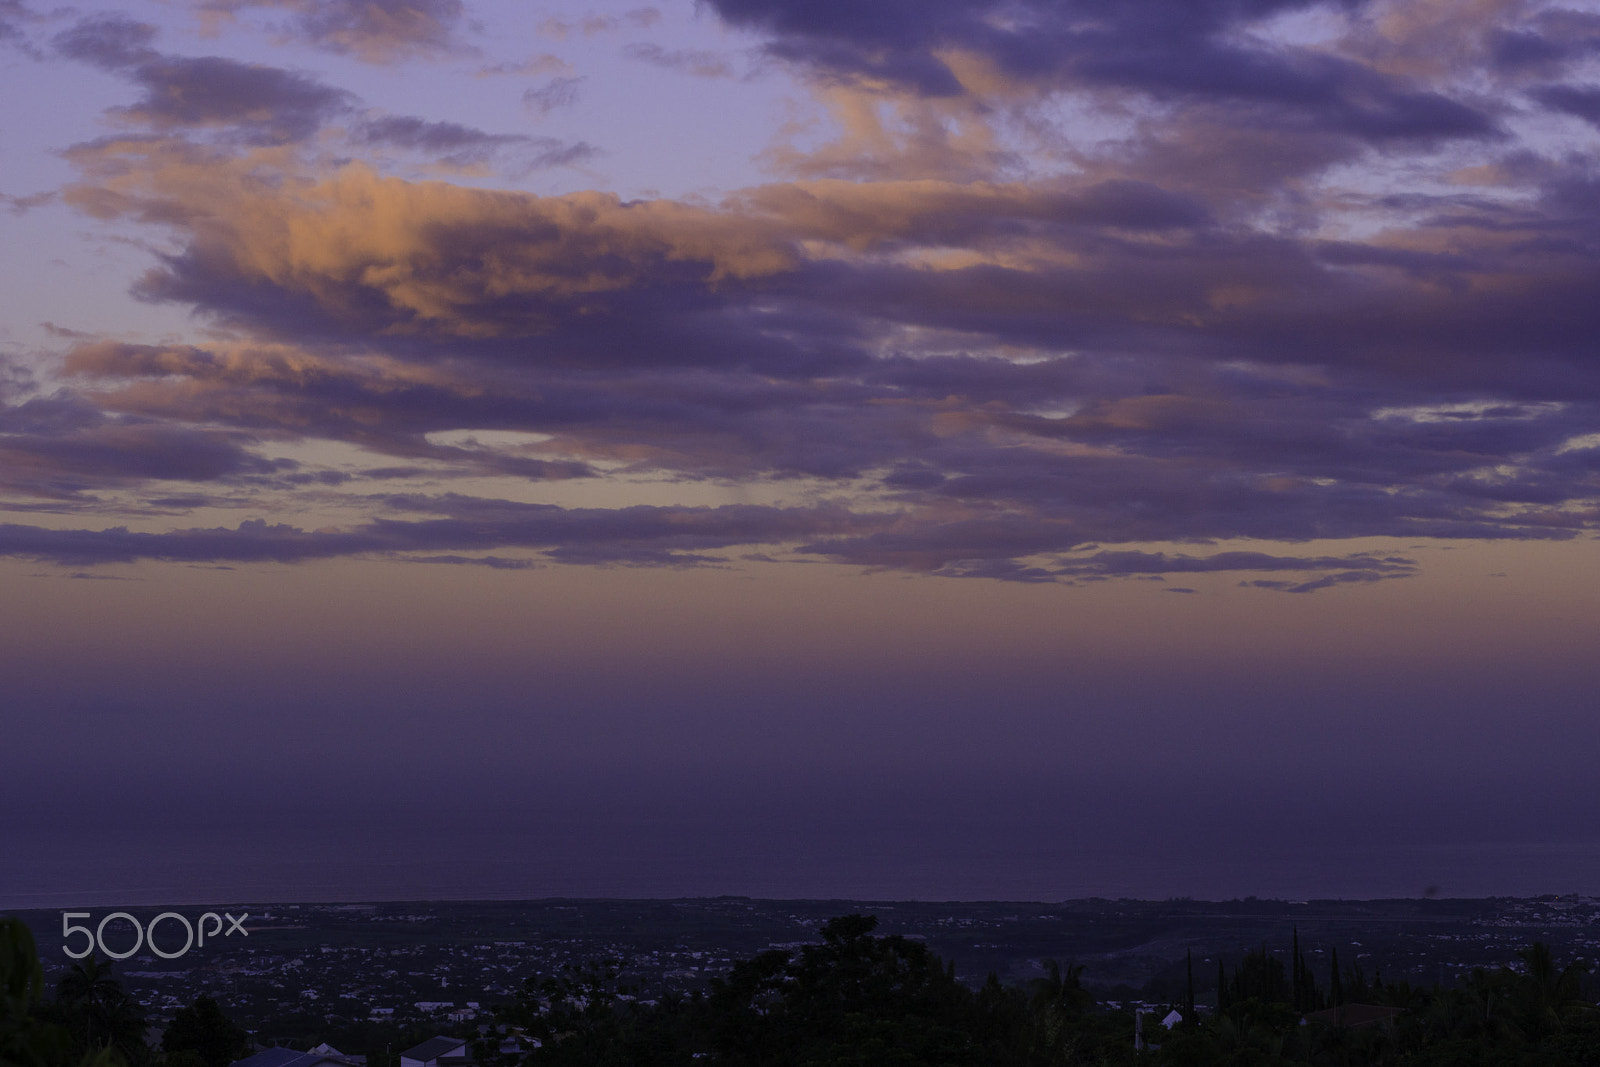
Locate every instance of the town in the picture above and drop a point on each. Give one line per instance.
(376, 975)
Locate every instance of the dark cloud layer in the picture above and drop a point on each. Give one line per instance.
(1166, 49)
(635, 535)
(61, 448)
(1230, 324)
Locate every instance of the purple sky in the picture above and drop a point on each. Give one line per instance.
(781, 425)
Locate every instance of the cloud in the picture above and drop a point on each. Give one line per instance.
(445, 139)
(696, 62)
(111, 42)
(1582, 101)
(13, 13)
(640, 535)
(1327, 581)
(463, 146)
(1548, 41)
(374, 31)
(60, 447)
(260, 105)
(1240, 321)
(1191, 380)
(592, 24)
(1131, 563)
(634, 536)
(973, 90)
(499, 563)
(21, 205)
(1147, 46)
(359, 254)
(252, 104)
(239, 104)
(543, 63)
(553, 95)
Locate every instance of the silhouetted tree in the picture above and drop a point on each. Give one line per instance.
(98, 1012)
(26, 1039)
(1259, 977)
(203, 1029)
(1057, 1005)
(1188, 986)
(31, 1033)
(1298, 982)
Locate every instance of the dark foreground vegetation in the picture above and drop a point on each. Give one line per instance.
(861, 1000)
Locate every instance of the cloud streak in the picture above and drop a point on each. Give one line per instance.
(634, 536)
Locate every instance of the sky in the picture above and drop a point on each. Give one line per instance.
(803, 448)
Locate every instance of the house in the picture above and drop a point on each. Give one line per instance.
(288, 1057)
(435, 1052)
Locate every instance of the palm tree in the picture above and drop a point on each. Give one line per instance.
(1057, 1004)
(1061, 989)
(98, 1012)
(1548, 994)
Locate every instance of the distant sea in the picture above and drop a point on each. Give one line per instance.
(648, 862)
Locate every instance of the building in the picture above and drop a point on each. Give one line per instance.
(321, 1056)
(434, 1052)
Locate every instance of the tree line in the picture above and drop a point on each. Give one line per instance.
(858, 999)
(93, 1022)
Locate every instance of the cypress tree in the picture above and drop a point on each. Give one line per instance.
(1309, 981)
(1222, 988)
(1188, 989)
(1337, 990)
(1298, 984)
